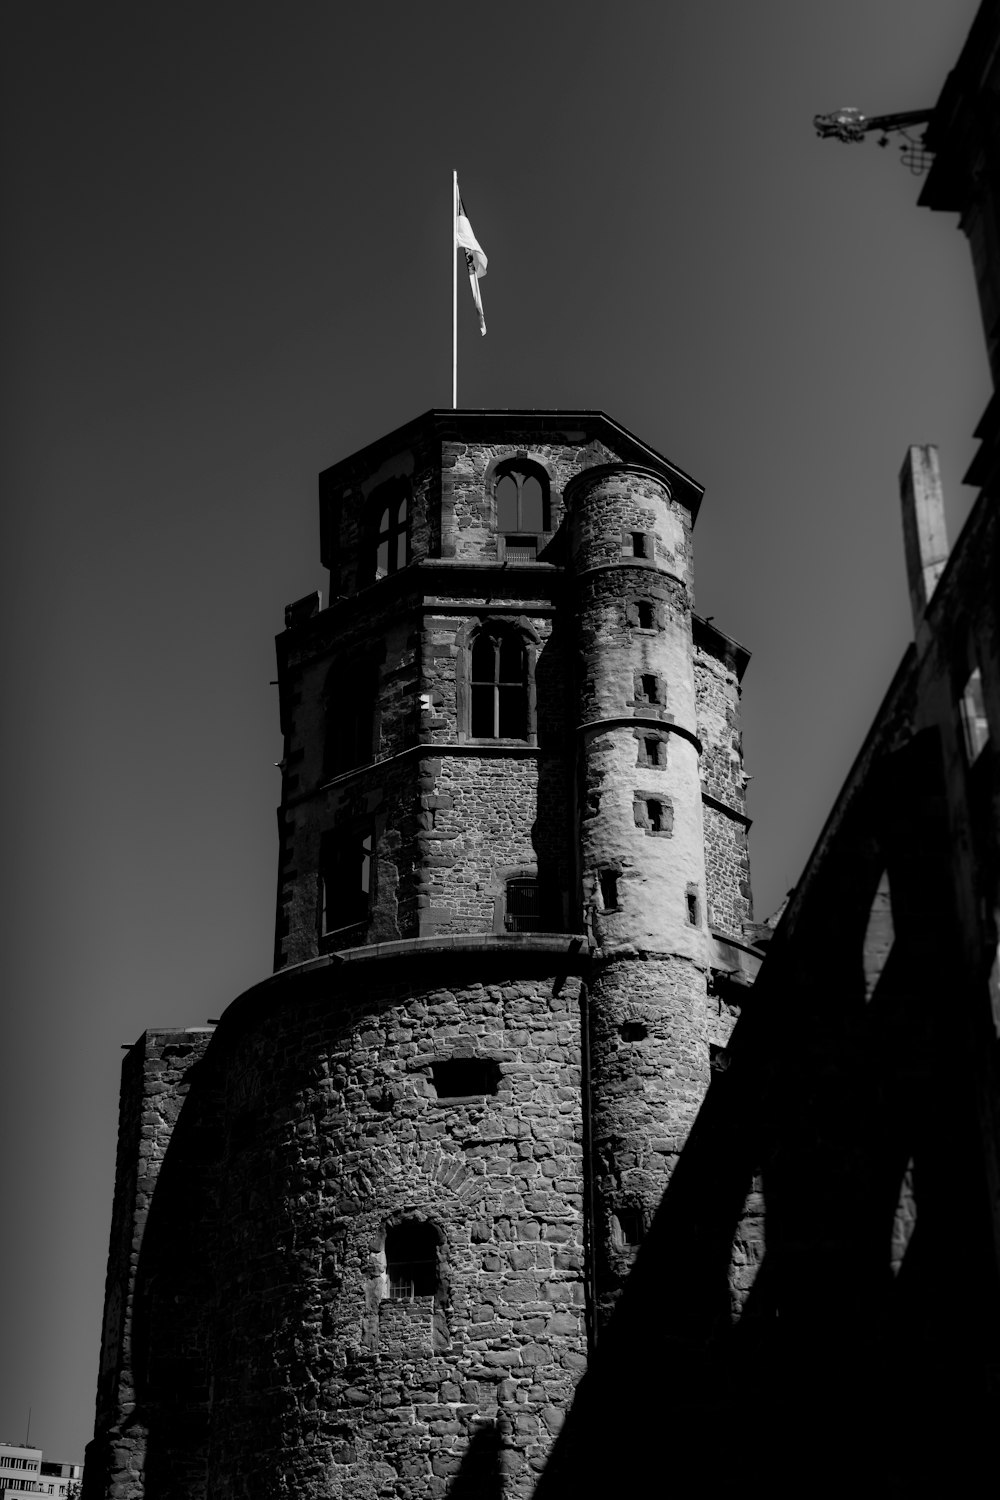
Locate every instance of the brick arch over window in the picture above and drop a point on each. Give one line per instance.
(495, 681)
(390, 510)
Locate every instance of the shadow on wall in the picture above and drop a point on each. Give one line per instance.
(551, 835)
(481, 1476)
(869, 1341)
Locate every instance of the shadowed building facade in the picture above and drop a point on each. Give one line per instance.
(368, 1227)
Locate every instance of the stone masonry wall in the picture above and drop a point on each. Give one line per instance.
(727, 872)
(324, 1385)
(720, 729)
(649, 1062)
(468, 519)
(349, 510)
(157, 1074)
(487, 825)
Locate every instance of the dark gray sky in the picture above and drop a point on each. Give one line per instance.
(226, 265)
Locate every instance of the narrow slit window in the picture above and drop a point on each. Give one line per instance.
(650, 687)
(609, 889)
(646, 615)
(693, 914)
(652, 748)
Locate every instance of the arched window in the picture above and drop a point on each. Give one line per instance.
(521, 490)
(411, 1260)
(390, 517)
(499, 686)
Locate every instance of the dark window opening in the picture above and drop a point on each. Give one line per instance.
(639, 542)
(633, 1031)
(392, 543)
(652, 747)
(718, 1058)
(346, 879)
(631, 1225)
(653, 814)
(464, 1077)
(523, 907)
(350, 721)
(650, 687)
(693, 914)
(609, 889)
(646, 615)
(411, 1261)
(521, 499)
(499, 688)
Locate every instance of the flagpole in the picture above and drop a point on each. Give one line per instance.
(454, 290)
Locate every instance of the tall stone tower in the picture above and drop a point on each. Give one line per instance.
(379, 1216)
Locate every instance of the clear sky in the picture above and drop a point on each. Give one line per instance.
(226, 265)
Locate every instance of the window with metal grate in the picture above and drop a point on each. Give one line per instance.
(523, 911)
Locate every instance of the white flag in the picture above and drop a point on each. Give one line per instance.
(475, 257)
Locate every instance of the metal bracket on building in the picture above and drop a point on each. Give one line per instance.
(849, 124)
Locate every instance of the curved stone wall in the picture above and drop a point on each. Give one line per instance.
(641, 849)
(326, 1382)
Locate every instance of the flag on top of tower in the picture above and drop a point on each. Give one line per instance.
(475, 255)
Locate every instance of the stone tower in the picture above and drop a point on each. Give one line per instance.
(379, 1215)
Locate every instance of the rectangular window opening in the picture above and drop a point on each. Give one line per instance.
(631, 1226)
(346, 879)
(654, 813)
(693, 914)
(523, 906)
(650, 687)
(652, 744)
(647, 617)
(466, 1077)
(639, 544)
(609, 889)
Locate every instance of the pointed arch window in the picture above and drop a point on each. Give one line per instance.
(390, 518)
(499, 686)
(521, 496)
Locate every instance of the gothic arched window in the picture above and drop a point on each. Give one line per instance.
(498, 708)
(521, 495)
(390, 518)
